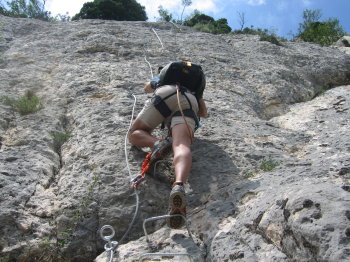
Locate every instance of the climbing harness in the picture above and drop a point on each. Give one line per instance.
(165, 111)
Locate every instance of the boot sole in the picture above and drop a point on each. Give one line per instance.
(177, 201)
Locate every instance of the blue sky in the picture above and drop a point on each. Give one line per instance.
(281, 16)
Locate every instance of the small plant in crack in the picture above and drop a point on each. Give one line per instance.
(267, 164)
(58, 140)
(64, 237)
(83, 209)
(47, 250)
(27, 104)
(249, 175)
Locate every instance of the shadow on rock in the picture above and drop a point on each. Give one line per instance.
(217, 189)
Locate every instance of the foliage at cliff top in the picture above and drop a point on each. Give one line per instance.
(312, 29)
(26, 9)
(30, 9)
(321, 32)
(121, 10)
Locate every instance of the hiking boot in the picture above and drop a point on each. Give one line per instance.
(161, 149)
(177, 205)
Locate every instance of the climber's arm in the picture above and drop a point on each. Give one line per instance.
(203, 111)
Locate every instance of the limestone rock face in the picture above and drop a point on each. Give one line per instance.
(271, 164)
(344, 44)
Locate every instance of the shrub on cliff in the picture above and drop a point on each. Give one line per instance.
(324, 33)
(26, 9)
(121, 10)
(164, 14)
(208, 24)
(265, 35)
(27, 104)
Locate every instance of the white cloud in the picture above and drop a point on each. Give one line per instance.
(63, 6)
(256, 2)
(306, 3)
(152, 6)
(206, 5)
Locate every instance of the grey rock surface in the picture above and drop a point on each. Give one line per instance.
(343, 44)
(271, 164)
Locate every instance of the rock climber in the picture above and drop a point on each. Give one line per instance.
(178, 102)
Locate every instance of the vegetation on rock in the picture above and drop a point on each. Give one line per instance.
(321, 32)
(121, 10)
(27, 104)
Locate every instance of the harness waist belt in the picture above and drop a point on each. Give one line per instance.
(164, 110)
(188, 113)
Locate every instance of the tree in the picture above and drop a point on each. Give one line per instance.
(241, 20)
(26, 9)
(309, 16)
(164, 14)
(121, 10)
(222, 27)
(185, 3)
(198, 18)
(324, 33)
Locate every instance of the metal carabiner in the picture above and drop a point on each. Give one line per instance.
(135, 182)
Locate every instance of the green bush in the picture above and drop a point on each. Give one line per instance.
(27, 104)
(198, 18)
(265, 35)
(324, 33)
(58, 140)
(205, 23)
(272, 38)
